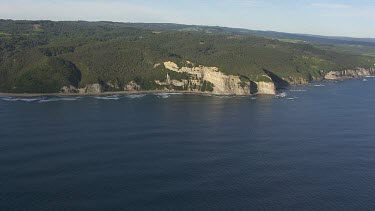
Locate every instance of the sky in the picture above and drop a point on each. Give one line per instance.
(353, 18)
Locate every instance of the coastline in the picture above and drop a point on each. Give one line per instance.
(3, 94)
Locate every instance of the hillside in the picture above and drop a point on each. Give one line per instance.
(239, 31)
(45, 56)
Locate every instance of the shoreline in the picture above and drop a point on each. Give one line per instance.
(3, 94)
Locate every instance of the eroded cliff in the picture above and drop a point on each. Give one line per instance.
(348, 74)
(220, 83)
(266, 88)
(89, 89)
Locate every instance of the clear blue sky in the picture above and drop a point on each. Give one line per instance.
(336, 17)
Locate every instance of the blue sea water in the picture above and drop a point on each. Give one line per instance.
(309, 148)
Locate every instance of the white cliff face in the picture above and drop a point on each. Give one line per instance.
(266, 88)
(92, 89)
(69, 89)
(89, 89)
(222, 84)
(347, 74)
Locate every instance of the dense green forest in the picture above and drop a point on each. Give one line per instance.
(43, 56)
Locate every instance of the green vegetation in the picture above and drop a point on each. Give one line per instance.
(291, 40)
(207, 87)
(2, 34)
(351, 49)
(43, 56)
(49, 75)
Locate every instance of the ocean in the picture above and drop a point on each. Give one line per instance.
(308, 148)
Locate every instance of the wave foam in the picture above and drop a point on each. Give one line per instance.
(176, 93)
(56, 99)
(39, 99)
(28, 100)
(298, 90)
(163, 95)
(225, 96)
(135, 96)
(281, 95)
(110, 97)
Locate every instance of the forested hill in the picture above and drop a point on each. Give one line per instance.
(267, 34)
(44, 56)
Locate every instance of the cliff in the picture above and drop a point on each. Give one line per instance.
(220, 83)
(348, 74)
(298, 80)
(203, 79)
(199, 79)
(266, 88)
(89, 89)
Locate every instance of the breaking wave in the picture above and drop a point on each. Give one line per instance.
(163, 95)
(207, 95)
(55, 99)
(28, 100)
(39, 99)
(110, 97)
(176, 93)
(135, 96)
(319, 85)
(281, 95)
(298, 90)
(225, 96)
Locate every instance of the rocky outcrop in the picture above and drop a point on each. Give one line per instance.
(297, 80)
(89, 89)
(94, 88)
(132, 86)
(69, 89)
(221, 84)
(348, 74)
(112, 86)
(266, 88)
(172, 82)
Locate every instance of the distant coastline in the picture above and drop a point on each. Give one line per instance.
(3, 94)
(332, 76)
